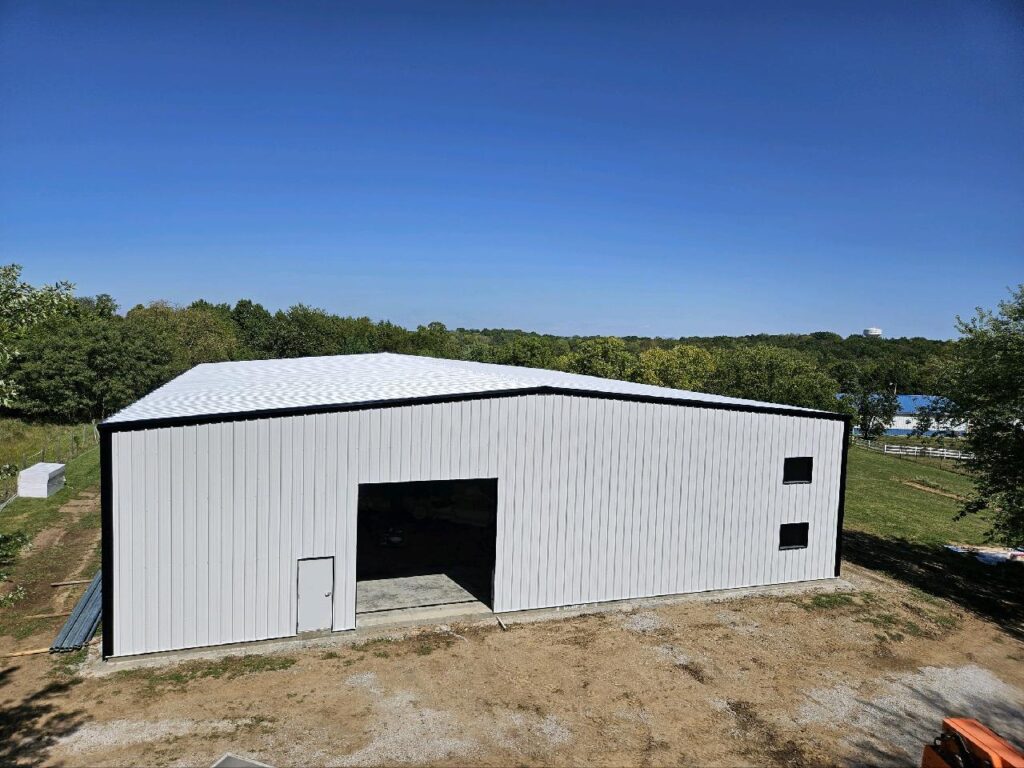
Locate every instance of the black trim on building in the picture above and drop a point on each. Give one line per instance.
(305, 410)
(842, 494)
(107, 540)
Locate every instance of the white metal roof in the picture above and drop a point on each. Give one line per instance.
(214, 389)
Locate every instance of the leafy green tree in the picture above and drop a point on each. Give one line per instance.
(528, 350)
(681, 367)
(87, 367)
(983, 386)
(606, 357)
(773, 375)
(204, 335)
(388, 337)
(302, 331)
(254, 327)
(23, 306)
(923, 423)
(434, 340)
(305, 331)
(102, 305)
(873, 410)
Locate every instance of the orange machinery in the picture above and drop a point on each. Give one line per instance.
(966, 743)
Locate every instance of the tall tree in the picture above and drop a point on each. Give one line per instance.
(254, 327)
(983, 386)
(773, 375)
(681, 367)
(23, 306)
(873, 409)
(205, 334)
(88, 366)
(433, 340)
(606, 357)
(869, 394)
(528, 350)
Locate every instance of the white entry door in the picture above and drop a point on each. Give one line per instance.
(316, 594)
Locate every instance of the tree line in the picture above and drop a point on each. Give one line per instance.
(69, 358)
(75, 358)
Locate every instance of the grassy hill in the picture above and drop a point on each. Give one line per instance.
(903, 498)
(20, 439)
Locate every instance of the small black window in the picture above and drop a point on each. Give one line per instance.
(798, 469)
(793, 535)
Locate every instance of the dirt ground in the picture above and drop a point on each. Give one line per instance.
(816, 678)
(827, 678)
(65, 552)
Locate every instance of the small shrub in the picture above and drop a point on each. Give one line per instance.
(16, 595)
(10, 546)
(230, 667)
(828, 602)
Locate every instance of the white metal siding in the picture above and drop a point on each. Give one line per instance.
(597, 500)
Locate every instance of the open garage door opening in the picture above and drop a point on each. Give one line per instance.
(425, 544)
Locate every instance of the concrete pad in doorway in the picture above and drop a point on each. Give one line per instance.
(376, 595)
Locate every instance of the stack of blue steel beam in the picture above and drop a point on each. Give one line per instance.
(82, 622)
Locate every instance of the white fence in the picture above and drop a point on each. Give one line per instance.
(914, 450)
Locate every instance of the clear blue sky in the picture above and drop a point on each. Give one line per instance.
(577, 167)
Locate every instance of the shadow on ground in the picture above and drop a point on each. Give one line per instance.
(993, 592)
(30, 727)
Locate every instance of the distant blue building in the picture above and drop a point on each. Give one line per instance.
(906, 418)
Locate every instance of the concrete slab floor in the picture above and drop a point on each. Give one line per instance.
(375, 595)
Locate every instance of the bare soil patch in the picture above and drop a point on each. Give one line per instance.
(788, 681)
(62, 552)
(930, 489)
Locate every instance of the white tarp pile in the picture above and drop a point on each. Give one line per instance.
(990, 555)
(41, 480)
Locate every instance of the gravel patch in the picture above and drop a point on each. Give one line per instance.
(366, 680)
(673, 654)
(122, 733)
(404, 732)
(527, 733)
(891, 726)
(737, 622)
(643, 623)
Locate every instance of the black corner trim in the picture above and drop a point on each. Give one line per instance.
(107, 541)
(842, 495)
(215, 418)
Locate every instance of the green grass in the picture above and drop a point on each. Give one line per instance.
(954, 443)
(878, 501)
(19, 439)
(827, 602)
(32, 515)
(22, 519)
(158, 680)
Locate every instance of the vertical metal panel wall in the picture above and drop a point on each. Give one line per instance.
(599, 499)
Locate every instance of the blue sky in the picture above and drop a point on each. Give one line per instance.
(624, 168)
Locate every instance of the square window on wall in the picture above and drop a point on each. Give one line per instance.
(797, 469)
(793, 535)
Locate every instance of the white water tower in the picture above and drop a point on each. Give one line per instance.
(873, 333)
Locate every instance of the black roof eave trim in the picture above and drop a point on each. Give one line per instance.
(214, 418)
(841, 511)
(107, 543)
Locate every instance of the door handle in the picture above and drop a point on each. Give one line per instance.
(327, 594)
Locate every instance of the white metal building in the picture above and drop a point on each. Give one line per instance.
(237, 487)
